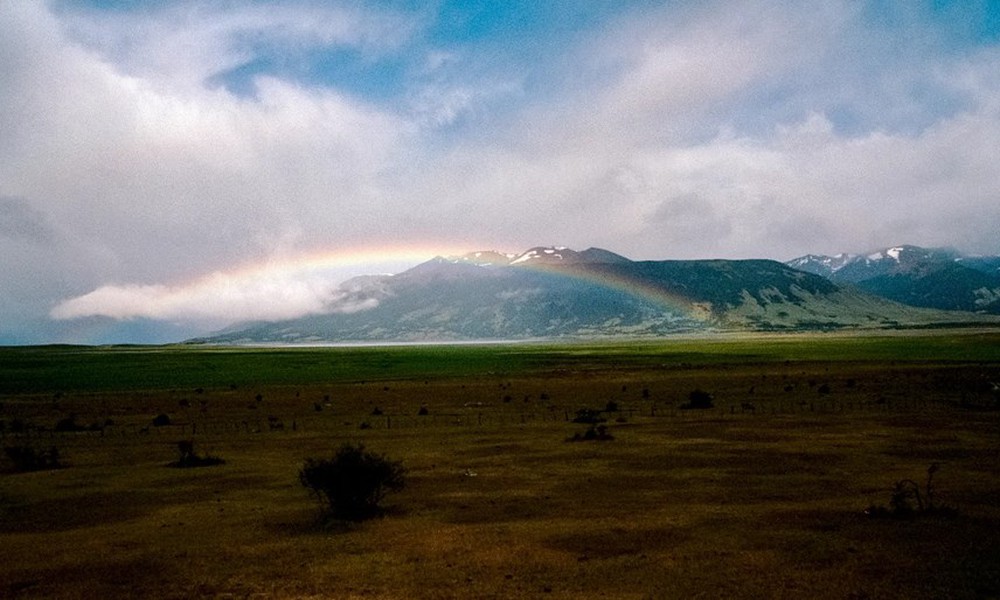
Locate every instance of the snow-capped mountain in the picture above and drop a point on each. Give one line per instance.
(483, 258)
(847, 267)
(926, 277)
(537, 256)
(820, 264)
(558, 292)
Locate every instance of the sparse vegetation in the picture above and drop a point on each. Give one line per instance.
(725, 503)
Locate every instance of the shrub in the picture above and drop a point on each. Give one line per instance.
(698, 399)
(69, 424)
(161, 420)
(595, 433)
(906, 500)
(354, 482)
(188, 458)
(26, 458)
(588, 415)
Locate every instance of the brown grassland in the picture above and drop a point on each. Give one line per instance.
(762, 496)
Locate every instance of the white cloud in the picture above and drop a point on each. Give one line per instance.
(172, 180)
(221, 298)
(732, 130)
(186, 44)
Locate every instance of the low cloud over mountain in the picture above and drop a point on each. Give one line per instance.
(559, 292)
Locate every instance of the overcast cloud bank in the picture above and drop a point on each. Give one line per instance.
(150, 153)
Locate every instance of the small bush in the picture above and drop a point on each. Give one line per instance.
(588, 415)
(161, 420)
(69, 424)
(354, 482)
(907, 501)
(188, 458)
(698, 400)
(27, 459)
(595, 433)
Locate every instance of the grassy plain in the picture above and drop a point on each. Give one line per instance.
(759, 497)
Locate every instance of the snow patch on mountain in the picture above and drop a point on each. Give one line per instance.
(550, 252)
(820, 264)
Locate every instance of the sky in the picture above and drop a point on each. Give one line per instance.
(168, 168)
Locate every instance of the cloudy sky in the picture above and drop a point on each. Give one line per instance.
(170, 167)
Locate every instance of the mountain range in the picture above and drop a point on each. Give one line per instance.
(927, 277)
(556, 292)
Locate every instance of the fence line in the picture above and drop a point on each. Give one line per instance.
(480, 418)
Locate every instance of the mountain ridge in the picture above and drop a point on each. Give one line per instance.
(556, 292)
(940, 278)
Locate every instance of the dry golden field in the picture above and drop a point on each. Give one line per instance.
(762, 496)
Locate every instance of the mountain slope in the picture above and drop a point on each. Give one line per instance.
(931, 278)
(557, 292)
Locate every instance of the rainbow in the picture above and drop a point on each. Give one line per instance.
(321, 260)
(406, 256)
(608, 278)
(278, 287)
(284, 287)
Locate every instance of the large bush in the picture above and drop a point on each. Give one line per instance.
(354, 482)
